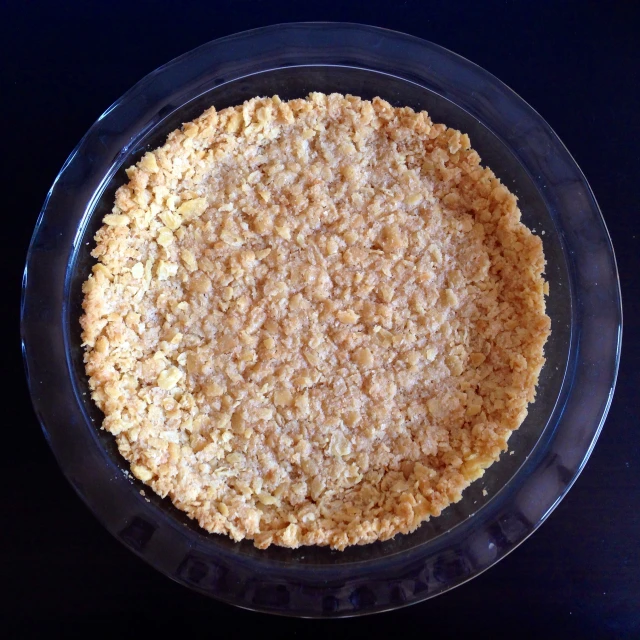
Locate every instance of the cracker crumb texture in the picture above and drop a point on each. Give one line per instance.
(313, 322)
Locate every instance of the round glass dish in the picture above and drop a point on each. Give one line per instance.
(548, 452)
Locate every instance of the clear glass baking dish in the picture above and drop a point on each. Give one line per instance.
(547, 453)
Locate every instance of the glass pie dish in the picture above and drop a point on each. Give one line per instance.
(547, 453)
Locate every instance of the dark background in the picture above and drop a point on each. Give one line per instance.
(63, 63)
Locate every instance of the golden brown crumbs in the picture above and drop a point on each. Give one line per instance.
(315, 321)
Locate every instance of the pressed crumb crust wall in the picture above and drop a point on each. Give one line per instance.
(315, 321)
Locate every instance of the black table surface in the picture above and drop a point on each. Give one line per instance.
(63, 63)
